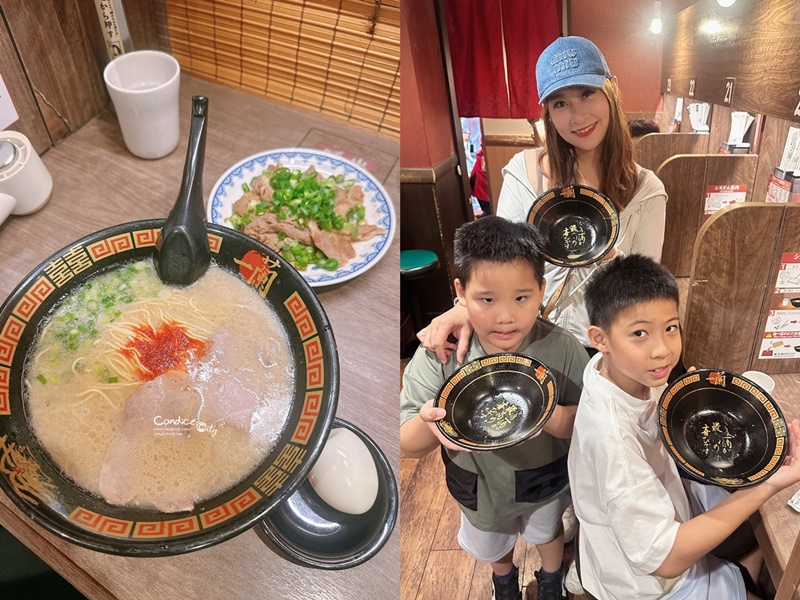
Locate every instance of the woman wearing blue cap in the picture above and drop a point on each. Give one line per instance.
(587, 142)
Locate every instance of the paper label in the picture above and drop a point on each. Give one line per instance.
(720, 196)
(790, 161)
(679, 109)
(778, 190)
(794, 501)
(8, 112)
(111, 31)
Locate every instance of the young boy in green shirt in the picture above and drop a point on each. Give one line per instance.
(522, 490)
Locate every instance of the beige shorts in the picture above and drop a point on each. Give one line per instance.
(537, 526)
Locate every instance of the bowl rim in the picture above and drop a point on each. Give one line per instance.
(779, 422)
(476, 365)
(126, 546)
(302, 556)
(595, 197)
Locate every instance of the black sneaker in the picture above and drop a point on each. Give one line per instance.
(551, 586)
(506, 588)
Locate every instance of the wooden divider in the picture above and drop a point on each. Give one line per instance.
(654, 148)
(687, 178)
(497, 151)
(736, 264)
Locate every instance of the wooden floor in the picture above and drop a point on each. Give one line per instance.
(432, 564)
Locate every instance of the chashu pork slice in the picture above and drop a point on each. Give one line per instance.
(229, 389)
(168, 398)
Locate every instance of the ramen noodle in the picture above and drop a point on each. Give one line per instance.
(159, 397)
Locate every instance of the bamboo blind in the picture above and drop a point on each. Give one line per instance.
(340, 58)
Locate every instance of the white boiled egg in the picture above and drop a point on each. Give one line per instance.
(344, 475)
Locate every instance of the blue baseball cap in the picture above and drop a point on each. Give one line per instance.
(570, 61)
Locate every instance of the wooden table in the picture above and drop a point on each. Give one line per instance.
(777, 526)
(97, 183)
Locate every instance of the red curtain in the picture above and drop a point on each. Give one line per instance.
(476, 53)
(528, 27)
(477, 32)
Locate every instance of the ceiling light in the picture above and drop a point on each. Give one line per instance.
(655, 24)
(725, 3)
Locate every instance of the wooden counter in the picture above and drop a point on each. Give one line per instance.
(97, 183)
(777, 526)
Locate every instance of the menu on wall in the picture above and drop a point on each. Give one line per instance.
(720, 196)
(782, 330)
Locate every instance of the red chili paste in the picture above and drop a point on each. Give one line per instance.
(160, 350)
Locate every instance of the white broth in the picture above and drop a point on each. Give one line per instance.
(156, 396)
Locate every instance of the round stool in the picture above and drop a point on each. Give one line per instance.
(416, 263)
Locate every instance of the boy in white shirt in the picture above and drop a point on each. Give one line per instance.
(643, 533)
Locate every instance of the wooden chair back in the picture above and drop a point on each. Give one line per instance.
(653, 149)
(687, 179)
(732, 299)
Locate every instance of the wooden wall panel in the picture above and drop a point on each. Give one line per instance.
(30, 121)
(753, 43)
(432, 210)
(732, 169)
(58, 44)
(720, 127)
(736, 263)
(654, 148)
(788, 241)
(147, 24)
(683, 180)
(689, 143)
(728, 284)
(770, 151)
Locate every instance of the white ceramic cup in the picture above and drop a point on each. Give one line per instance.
(25, 182)
(766, 382)
(143, 86)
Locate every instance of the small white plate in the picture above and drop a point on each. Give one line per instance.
(377, 204)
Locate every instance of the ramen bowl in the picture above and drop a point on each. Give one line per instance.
(579, 224)
(308, 531)
(722, 428)
(496, 401)
(28, 473)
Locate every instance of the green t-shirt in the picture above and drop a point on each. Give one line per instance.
(493, 488)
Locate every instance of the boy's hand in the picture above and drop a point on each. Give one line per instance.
(455, 322)
(430, 415)
(789, 472)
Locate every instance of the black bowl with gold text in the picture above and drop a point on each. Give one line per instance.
(722, 428)
(579, 224)
(29, 476)
(496, 401)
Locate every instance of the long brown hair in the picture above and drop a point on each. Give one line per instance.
(618, 171)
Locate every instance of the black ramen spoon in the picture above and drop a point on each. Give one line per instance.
(183, 254)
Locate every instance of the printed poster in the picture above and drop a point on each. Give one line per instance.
(782, 330)
(720, 196)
